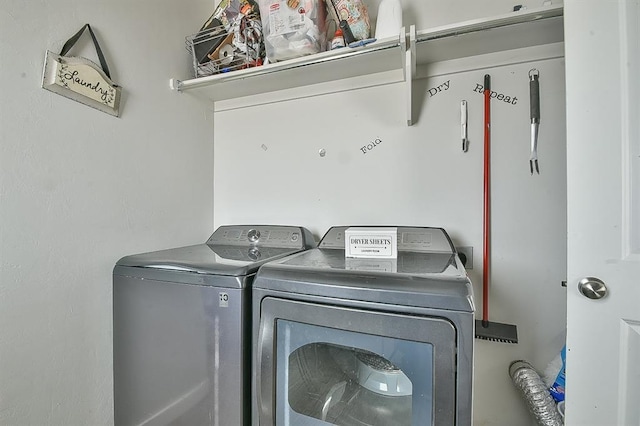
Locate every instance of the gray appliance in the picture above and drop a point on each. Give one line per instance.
(375, 342)
(181, 327)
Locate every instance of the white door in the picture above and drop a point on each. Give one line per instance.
(602, 49)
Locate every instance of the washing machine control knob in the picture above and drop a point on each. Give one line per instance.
(253, 235)
(254, 253)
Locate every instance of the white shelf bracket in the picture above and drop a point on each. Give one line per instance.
(403, 49)
(175, 84)
(409, 70)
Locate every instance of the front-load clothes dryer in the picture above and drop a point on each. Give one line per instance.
(377, 342)
(181, 327)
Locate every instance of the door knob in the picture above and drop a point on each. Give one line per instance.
(593, 288)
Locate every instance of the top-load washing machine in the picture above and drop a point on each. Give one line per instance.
(375, 342)
(181, 327)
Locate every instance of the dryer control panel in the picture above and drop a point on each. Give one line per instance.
(293, 237)
(410, 239)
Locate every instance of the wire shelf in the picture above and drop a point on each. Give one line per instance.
(223, 48)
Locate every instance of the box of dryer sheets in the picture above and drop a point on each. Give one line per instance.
(371, 242)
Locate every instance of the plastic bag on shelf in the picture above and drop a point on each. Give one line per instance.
(293, 28)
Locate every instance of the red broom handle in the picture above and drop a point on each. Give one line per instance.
(487, 201)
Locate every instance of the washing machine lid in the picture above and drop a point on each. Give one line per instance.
(206, 259)
(427, 272)
(231, 251)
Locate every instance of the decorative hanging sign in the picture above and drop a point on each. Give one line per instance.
(81, 79)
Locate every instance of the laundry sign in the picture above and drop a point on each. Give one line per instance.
(371, 242)
(80, 79)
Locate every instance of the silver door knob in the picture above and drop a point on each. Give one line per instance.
(593, 288)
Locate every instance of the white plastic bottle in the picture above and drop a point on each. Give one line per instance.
(389, 20)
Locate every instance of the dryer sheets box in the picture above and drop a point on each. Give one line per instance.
(371, 242)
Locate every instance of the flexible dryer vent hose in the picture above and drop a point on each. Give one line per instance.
(535, 393)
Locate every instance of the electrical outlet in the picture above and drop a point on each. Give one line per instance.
(466, 256)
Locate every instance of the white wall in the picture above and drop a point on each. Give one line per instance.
(268, 170)
(79, 189)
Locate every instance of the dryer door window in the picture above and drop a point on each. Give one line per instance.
(347, 366)
(352, 380)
